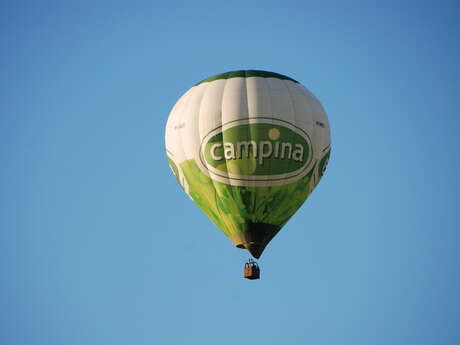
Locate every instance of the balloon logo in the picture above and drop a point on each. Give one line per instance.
(248, 147)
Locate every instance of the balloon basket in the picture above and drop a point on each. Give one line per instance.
(251, 270)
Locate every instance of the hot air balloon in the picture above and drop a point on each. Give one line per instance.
(248, 147)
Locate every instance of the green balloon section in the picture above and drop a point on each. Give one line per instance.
(250, 215)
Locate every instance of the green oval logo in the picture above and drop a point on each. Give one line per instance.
(256, 149)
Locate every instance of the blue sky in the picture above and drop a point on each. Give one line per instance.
(99, 245)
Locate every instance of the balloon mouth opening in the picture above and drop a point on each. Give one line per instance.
(255, 249)
(255, 237)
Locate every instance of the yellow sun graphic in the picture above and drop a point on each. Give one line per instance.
(274, 134)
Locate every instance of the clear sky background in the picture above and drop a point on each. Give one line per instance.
(100, 246)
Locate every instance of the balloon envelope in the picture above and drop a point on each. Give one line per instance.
(248, 147)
